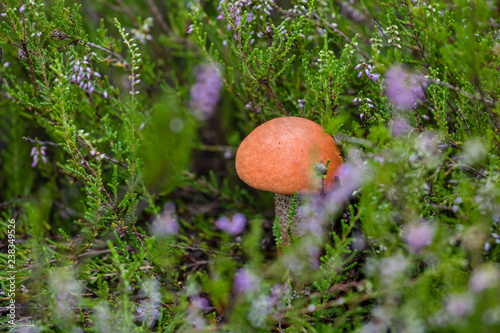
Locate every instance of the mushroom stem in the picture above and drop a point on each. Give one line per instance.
(282, 206)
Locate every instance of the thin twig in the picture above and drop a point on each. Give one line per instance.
(458, 90)
(158, 17)
(47, 86)
(340, 33)
(114, 54)
(415, 35)
(199, 249)
(44, 143)
(467, 168)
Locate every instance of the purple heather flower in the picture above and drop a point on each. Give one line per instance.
(474, 151)
(142, 33)
(484, 277)
(236, 9)
(392, 267)
(3, 14)
(148, 309)
(166, 222)
(6, 64)
(190, 29)
(367, 100)
(314, 253)
(403, 89)
(37, 153)
(358, 242)
(400, 127)
(318, 206)
(302, 103)
(205, 93)
(367, 70)
(199, 303)
(459, 306)
(82, 73)
(379, 158)
(418, 236)
(245, 281)
(427, 144)
(233, 227)
(350, 177)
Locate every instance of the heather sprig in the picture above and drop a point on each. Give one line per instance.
(135, 59)
(328, 81)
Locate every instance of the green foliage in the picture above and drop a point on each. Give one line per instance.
(120, 123)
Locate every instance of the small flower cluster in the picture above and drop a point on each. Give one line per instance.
(166, 222)
(235, 11)
(236, 8)
(197, 305)
(262, 306)
(65, 290)
(245, 281)
(283, 32)
(360, 100)
(205, 93)
(391, 268)
(83, 75)
(142, 34)
(496, 237)
(97, 155)
(148, 309)
(363, 67)
(458, 306)
(235, 226)
(37, 153)
(318, 207)
(296, 11)
(418, 236)
(400, 127)
(403, 89)
(136, 59)
(484, 277)
(431, 10)
(324, 58)
(393, 35)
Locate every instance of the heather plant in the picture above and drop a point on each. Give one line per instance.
(121, 210)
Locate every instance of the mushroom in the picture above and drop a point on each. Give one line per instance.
(281, 156)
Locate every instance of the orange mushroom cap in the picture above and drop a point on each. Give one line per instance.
(279, 156)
